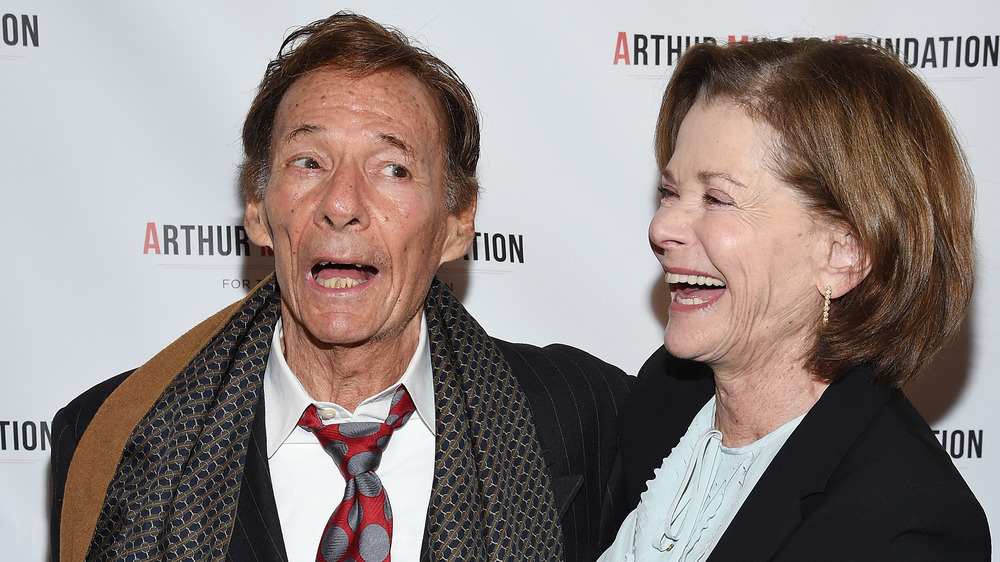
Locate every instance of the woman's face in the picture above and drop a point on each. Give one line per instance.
(741, 254)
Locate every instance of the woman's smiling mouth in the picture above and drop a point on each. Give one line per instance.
(693, 290)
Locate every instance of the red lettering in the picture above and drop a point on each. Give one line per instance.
(743, 38)
(621, 48)
(152, 239)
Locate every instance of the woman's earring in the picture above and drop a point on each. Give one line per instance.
(826, 305)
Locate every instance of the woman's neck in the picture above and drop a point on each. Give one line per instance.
(750, 405)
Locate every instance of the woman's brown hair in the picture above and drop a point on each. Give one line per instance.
(867, 145)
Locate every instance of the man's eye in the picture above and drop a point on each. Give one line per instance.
(306, 162)
(395, 171)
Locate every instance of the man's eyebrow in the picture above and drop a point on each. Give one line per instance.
(303, 129)
(310, 129)
(668, 177)
(396, 142)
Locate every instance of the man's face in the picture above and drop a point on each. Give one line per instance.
(355, 206)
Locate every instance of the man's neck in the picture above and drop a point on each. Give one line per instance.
(346, 375)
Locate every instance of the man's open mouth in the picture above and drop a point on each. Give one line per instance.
(342, 275)
(694, 289)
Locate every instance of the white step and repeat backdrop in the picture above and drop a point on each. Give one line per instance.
(119, 137)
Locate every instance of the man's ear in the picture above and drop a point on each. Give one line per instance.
(461, 229)
(845, 265)
(255, 221)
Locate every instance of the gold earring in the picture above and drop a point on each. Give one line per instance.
(826, 305)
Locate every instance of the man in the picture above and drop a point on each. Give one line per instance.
(361, 153)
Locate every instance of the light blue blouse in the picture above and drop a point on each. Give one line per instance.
(695, 494)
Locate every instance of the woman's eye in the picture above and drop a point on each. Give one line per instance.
(395, 171)
(306, 162)
(714, 197)
(666, 192)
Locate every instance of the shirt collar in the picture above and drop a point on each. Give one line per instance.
(286, 399)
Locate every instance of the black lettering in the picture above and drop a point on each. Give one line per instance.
(475, 248)
(930, 54)
(671, 50)
(13, 433)
(3, 435)
(203, 240)
(656, 48)
(499, 247)
(957, 448)
(46, 434)
(944, 49)
(972, 50)
(496, 247)
(10, 29)
(639, 43)
(242, 241)
(990, 49)
(516, 248)
(187, 228)
(170, 239)
(709, 40)
(29, 437)
(976, 443)
(887, 44)
(29, 28)
(228, 248)
(907, 43)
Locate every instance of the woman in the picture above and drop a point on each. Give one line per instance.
(815, 228)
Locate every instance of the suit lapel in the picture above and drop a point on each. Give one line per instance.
(565, 487)
(781, 499)
(257, 530)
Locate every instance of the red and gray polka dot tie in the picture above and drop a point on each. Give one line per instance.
(361, 527)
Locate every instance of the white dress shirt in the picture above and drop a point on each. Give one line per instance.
(308, 486)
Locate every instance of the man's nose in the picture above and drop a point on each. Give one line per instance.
(343, 200)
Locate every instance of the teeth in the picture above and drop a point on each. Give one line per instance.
(694, 280)
(339, 282)
(692, 300)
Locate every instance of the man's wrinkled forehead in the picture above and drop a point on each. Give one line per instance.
(404, 85)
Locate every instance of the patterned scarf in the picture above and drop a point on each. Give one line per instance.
(179, 429)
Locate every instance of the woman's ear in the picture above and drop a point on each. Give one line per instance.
(846, 263)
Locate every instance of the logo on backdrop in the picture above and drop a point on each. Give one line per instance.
(24, 435)
(496, 247)
(19, 30)
(961, 443)
(200, 240)
(952, 51)
(204, 243)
